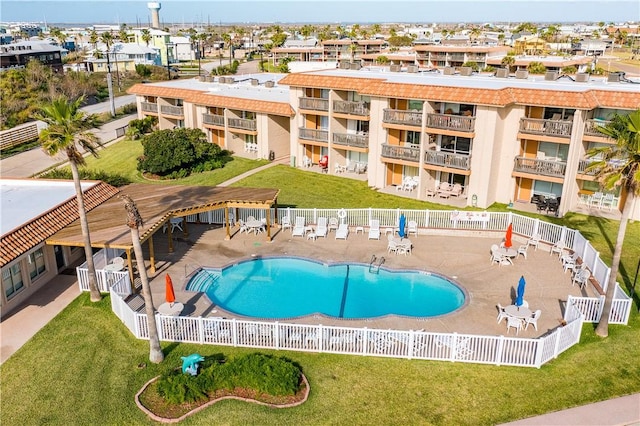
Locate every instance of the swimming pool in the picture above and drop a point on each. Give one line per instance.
(284, 287)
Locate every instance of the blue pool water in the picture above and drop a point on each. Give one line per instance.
(279, 288)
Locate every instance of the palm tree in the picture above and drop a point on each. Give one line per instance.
(508, 61)
(134, 221)
(67, 128)
(145, 35)
(623, 173)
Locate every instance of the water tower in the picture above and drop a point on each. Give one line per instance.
(154, 7)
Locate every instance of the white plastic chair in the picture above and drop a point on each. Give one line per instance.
(522, 250)
(285, 223)
(581, 278)
(374, 229)
(502, 314)
(513, 322)
(534, 241)
(118, 261)
(558, 248)
(333, 224)
(533, 320)
(412, 228)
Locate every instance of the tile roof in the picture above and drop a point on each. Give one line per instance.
(200, 97)
(30, 234)
(588, 98)
(155, 203)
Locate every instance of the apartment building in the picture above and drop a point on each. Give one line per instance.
(439, 56)
(248, 115)
(501, 138)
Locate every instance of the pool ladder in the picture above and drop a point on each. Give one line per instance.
(375, 269)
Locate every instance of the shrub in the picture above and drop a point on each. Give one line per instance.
(143, 70)
(138, 128)
(113, 179)
(472, 64)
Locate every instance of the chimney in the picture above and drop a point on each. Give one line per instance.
(154, 8)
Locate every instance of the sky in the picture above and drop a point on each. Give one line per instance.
(326, 11)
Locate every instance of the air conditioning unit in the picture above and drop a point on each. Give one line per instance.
(614, 77)
(582, 77)
(344, 65)
(355, 66)
(269, 83)
(502, 73)
(522, 74)
(448, 71)
(230, 80)
(551, 75)
(466, 71)
(395, 68)
(412, 69)
(254, 82)
(203, 78)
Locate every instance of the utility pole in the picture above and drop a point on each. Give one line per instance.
(112, 103)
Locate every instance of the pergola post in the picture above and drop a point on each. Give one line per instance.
(152, 255)
(170, 235)
(268, 217)
(226, 222)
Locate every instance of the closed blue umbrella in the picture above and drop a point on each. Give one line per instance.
(401, 226)
(520, 293)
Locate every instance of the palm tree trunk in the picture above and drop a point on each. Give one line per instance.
(155, 351)
(84, 225)
(602, 329)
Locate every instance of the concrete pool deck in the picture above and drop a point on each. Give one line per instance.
(461, 256)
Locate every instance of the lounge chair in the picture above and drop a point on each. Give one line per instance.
(342, 232)
(285, 223)
(298, 228)
(333, 224)
(321, 229)
(374, 229)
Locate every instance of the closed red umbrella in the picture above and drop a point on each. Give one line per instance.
(170, 296)
(507, 238)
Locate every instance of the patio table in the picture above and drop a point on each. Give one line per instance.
(518, 311)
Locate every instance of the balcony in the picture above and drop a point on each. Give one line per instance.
(447, 159)
(401, 152)
(177, 111)
(314, 104)
(242, 123)
(318, 135)
(451, 122)
(149, 107)
(540, 167)
(351, 108)
(458, 57)
(213, 119)
(582, 168)
(439, 57)
(556, 128)
(476, 58)
(591, 128)
(350, 139)
(396, 116)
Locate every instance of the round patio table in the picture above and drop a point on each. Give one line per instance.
(518, 311)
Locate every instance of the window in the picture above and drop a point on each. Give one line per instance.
(547, 188)
(413, 138)
(12, 280)
(35, 262)
(250, 138)
(455, 144)
(554, 151)
(415, 105)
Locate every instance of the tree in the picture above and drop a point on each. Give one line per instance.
(508, 61)
(93, 39)
(134, 221)
(536, 67)
(145, 35)
(123, 35)
(623, 172)
(67, 128)
(382, 60)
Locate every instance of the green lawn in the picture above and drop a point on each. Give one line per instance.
(82, 367)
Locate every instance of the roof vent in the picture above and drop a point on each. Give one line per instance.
(582, 77)
(502, 73)
(344, 65)
(614, 77)
(551, 75)
(269, 84)
(395, 68)
(355, 66)
(230, 80)
(448, 71)
(466, 71)
(210, 79)
(412, 68)
(203, 78)
(522, 74)
(254, 82)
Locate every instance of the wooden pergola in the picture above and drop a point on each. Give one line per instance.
(158, 204)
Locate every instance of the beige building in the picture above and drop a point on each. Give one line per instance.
(494, 139)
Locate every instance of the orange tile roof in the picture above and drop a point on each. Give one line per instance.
(469, 49)
(201, 97)
(587, 99)
(342, 41)
(30, 234)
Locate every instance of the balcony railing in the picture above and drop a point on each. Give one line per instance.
(438, 56)
(451, 122)
(242, 123)
(559, 128)
(476, 58)
(350, 139)
(456, 56)
(213, 119)
(396, 116)
(540, 167)
(401, 152)
(315, 104)
(591, 127)
(448, 159)
(314, 134)
(172, 110)
(149, 107)
(349, 107)
(582, 167)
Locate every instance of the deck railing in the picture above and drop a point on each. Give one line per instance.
(401, 152)
(451, 122)
(149, 107)
(315, 104)
(350, 139)
(448, 159)
(213, 119)
(350, 107)
(314, 134)
(177, 111)
(591, 127)
(242, 123)
(535, 126)
(540, 167)
(396, 116)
